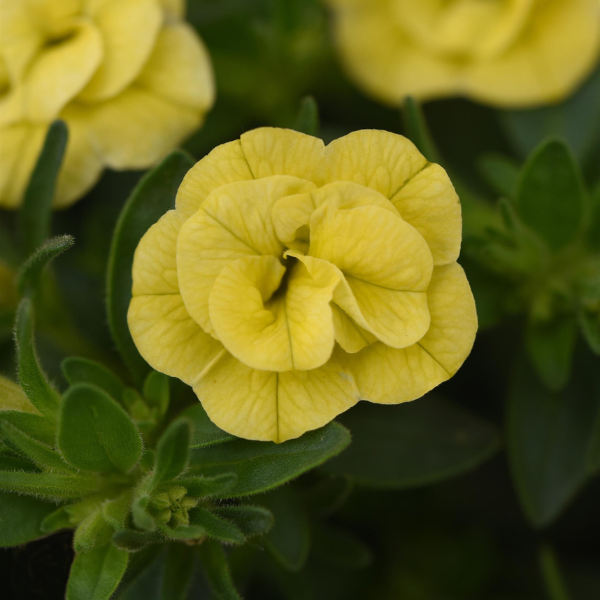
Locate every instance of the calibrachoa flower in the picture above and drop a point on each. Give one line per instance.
(505, 52)
(294, 279)
(130, 78)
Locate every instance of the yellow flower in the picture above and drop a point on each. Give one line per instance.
(509, 53)
(130, 78)
(294, 279)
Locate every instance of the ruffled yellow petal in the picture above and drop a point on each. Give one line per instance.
(129, 29)
(82, 164)
(348, 334)
(60, 72)
(376, 159)
(136, 129)
(386, 264)
(430, 204)
(270, 151)
(271, 329)
(20, 146)
(267, 406)
(225, 164)
(557, 49)
(390, 376)
(164, 333)
(179, 68)
(234, 222)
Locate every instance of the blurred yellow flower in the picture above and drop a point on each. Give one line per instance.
(294, 279)
(508, 53)
(130, 78)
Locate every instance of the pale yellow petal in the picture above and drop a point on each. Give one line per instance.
(225, 164)
(234, 222)
(60, 72)
(348, 334)
(430, 204)
(386, 264)
(179, 68)
(20, 146)
(164, 333)
(271, 329)
(12, 397)
(82, 164)
(293, 212)
(129, 29)
(390, 376)
(556, 51)
(271, 151)
(136, 129)
(174, 8)
(267, 406)
(377, 159)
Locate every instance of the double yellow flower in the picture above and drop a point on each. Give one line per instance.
(130, 78)
(294, 279)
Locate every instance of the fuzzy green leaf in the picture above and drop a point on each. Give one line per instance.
(36, 210)
(46, 485)
(95, 433)
(307, 120)
(216, 527)
(156, 392)
(172, 451)
(549, 437)
(217, 571)
(133, 540)
(28, 278)
(35, 426)
(21, 518)
(92, 533)
(152, 198)
(413, 444)
(289, 539)
(36, 451)
(96, 575)
(206, 433)
(31, 376)
(83, 370)
(261, 466)
(550, 196)
(205, 487)
(250, 520)
(178, 572)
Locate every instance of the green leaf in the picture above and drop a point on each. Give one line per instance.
(13, 398)
(36, 210)
(83, 370)
(183, 532)
(307, 120)
(589, 323)
(289, 539)
(133, 540)
(217, 571)
(29, 276)
(413, 444)
(501, 173)
(46, 485)
(203, 487)
(141, 517)
(35, 426)
(92, 532)
(96, 575)
(594, 450)
(417, 130)
(95, 433)
(251, 520)
(153, 197)
(36, 451)
(328, 495)
(261, 466)
(31, 376)
(206, 433)
(550, 346)
(178, 572)
(551, 199)
(116, 510)
(156, 392)
(216, 527)
(173, 451)
(576, 119)
(340, 548)
(549, 438)
(21, 518)
(551, 574)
